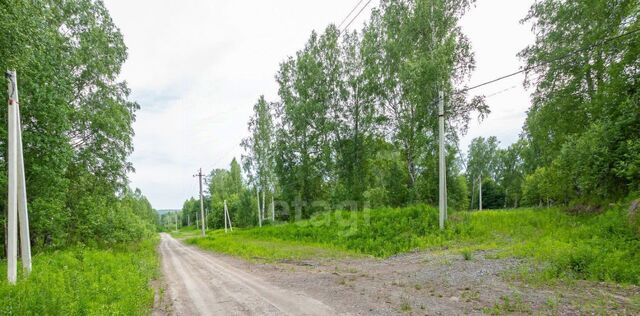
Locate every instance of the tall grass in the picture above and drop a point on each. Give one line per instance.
(84, 281)
(603, 247)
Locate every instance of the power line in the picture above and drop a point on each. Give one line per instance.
(603, 42)
(357, 15)
(348, 15)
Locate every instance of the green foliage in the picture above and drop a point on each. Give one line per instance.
(77, 122)
(467, 254)
(544, 186)
(585, 117)
(356, 117)
(85, 281)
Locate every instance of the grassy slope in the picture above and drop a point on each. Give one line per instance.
(600, 247)
(84, 281)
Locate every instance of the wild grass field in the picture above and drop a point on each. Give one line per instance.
(85, 281)
(599, 247)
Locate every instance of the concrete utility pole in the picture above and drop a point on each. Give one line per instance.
(258, 200)
(443, 163)
(224, 214)
(202, 217)
(227, 218)
(480, 196)
(273, 210)
(17, 198)
(226, 211)
(176, 213)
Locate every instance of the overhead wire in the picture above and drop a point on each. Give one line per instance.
(350, 13)
(601, 43)
(356, 16)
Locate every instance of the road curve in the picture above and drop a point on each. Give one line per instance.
(198, 283)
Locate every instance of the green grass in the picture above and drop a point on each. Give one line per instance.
(185, 232)
(603, 247)
(84, 281)
(265, 250)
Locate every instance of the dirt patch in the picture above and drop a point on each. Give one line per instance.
(439, 283)
(161, 304)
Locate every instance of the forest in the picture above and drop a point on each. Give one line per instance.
(355, 124)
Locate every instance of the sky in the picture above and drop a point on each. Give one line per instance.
(197, 67)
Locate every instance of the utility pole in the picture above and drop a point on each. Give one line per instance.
(443, 166)
(176, 213)
(17, 198)
(480, 196)
(202, 217)
(258, 200)
(227, 217)
(224, 214)
(273, 210)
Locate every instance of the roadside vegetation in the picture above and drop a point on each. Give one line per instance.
(92, 235)
(598, 247)
(85, 281)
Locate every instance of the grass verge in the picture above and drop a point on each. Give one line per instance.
(84, 281)
(266, 250)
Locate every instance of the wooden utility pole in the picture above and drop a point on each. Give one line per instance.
(17, 198)
(202, 217)
(443, 164)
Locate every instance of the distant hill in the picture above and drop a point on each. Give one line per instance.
(162, 212)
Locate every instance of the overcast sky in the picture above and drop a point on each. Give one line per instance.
(196, 67)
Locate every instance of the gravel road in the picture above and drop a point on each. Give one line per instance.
(199, 283)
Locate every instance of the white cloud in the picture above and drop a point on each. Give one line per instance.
(197, 67)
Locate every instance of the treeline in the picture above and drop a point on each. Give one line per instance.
(77, 123)
(356, 116)
(355, 124)
(223, 185)
(581, 139)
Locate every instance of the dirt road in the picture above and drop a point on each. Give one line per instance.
(198, 283)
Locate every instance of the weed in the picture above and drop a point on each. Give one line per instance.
(467, 254)
(405, 306)
(509, 305)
